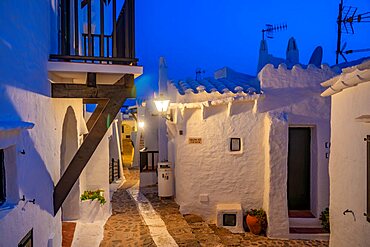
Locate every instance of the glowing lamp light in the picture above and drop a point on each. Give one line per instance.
(141, 124)
(161, 104)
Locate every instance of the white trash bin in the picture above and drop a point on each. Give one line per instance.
(165, 180)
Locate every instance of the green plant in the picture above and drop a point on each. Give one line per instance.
(324, 217)
(92, 195)
(260, 214)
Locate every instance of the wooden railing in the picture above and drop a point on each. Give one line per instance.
(117, 47)
(146, 158)
(114, 170)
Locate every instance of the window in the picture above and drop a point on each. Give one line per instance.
(2, 178)
(229, 219)
(235, 144)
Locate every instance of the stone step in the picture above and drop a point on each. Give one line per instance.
(300, 214)
(307, 230)
(308, 234)
(304, 222)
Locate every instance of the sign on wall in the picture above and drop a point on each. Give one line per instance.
(193, 140)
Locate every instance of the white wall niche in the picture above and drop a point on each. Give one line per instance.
(232, 145)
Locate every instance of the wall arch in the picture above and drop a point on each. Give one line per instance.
(68, 148)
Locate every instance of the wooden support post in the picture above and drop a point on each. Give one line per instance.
(101, 29)
(114, 97)
(77, 33)
(91, 79)
(89, 34)
(65, 27)
(114, 33)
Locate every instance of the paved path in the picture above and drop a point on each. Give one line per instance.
(128, 225)
(157, 227)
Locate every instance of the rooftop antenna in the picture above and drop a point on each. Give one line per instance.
(198, 74)
(347, 16)
(271, 29)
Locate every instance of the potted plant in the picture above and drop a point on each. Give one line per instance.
(324, 217)
(256, 220)
(92, 195)
(91, 206)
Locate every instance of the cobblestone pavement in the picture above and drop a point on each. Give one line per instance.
(127, 228)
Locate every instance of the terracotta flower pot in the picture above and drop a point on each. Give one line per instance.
(254, 224)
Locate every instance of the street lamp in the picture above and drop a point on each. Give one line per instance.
(162, 103)
(141, 124)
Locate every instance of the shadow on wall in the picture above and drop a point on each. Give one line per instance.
(68, 148)
(283, 97)
(25, 44)
(24, 49)
(34, 178)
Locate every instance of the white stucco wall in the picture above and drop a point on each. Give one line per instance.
(210, 168)
(96, 173)
(25, 96)
(295, 95)
(257, 176)
(39, 169)
(348, 167)
(276, 175)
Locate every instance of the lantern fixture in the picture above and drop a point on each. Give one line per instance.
(162, 103)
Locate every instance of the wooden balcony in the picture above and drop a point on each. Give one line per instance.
(98, 67)
(113, 46)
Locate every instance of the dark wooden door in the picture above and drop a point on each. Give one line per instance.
(299, 167)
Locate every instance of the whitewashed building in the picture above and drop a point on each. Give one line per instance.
(349, 165)
(49, 151)
(235, 139)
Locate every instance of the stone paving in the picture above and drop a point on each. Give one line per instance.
(126, 227)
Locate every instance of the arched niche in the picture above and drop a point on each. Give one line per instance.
(68, 148)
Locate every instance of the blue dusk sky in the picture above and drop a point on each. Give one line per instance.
(211, 34)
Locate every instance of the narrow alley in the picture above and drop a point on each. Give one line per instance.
(132, 225)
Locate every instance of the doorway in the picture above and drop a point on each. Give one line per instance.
(299, 169)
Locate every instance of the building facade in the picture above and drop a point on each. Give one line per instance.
(349, 164)
(259, 142)
(50, 151)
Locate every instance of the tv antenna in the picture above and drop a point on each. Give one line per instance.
(198, 74)
(271, 29)
(347, 16)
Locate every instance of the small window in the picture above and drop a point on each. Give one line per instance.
(235, 144)
(2, 178)
(229, 219)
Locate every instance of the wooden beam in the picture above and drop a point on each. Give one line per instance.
(83, 91)
(105, 115)
(96, 114)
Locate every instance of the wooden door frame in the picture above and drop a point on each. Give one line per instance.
(313, 164)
